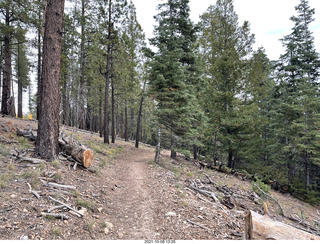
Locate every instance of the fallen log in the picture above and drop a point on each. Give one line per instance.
(78, 152)
(259, 227)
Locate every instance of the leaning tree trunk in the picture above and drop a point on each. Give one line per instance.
(48, 127)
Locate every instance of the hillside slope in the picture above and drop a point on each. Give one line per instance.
(126, 196)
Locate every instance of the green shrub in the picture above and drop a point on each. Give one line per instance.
(225, 169)
(257, 185)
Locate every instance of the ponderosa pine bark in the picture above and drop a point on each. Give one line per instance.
(107, 77)
(48, 127)
(44, 10)
(113, 128)
(7, 68)
(20, 90)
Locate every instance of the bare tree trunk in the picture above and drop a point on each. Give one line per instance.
(81, 112)
(113, 129)
(100, 112)
(173, 154)
(40, 34)
(44, 6)
(48, 128)
(19, 86)
(7, 68)
(11, 107)
(139, 114)
(132, 133)
(195, 152)
(106, 106)
(107, 77)
(126, 120)
(215, 149)
(64, 101)
(157, 157)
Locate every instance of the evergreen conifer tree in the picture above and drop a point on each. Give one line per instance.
(171, 69)
(226, 47)
(299, 103)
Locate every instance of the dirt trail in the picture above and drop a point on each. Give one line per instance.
(131, 202)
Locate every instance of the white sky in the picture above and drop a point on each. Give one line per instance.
(269, 19)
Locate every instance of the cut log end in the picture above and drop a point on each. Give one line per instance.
(88, 158)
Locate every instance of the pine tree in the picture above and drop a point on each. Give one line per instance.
(12, 12)
(170, 75)
(298, 92)
(109, 21)
(225, 47)
(22, 73)
(48, 126)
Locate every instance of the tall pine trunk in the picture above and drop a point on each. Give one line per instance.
(7, 69)
(20, 90)
(48, 127)
(126, 120)
(107, 77)
(140, 114)
(39, 66)
(65, 101)
(113, 129)
(44, 7)
(81, 111)
(100, 111)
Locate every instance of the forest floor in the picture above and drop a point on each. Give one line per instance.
(126, 196)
